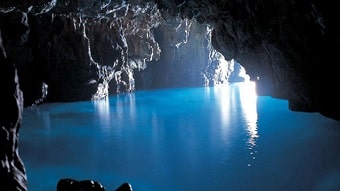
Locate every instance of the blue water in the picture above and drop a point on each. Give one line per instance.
(192, 139)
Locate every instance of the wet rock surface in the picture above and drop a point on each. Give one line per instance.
(69, 184)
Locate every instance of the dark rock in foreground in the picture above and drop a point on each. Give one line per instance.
(68, 184)
(12, 170)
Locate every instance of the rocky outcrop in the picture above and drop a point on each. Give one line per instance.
(69, 184)
(66, 184)
(12, 170)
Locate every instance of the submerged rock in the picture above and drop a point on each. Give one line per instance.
(124, 187)
(69, 184)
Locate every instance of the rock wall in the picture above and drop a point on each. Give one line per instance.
(12, 170)
(76, 50)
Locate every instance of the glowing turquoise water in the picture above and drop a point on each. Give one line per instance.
(193, 139)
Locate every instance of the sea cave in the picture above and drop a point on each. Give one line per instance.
(63, 51)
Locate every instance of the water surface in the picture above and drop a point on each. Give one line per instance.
(197, 139)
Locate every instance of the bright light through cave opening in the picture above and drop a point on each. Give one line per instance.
(220, 70)
(227, 71)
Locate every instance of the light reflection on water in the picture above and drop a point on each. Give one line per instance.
(102, 107)
(243, 94)
(243, 97)
(214, 138)
(248, 97)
